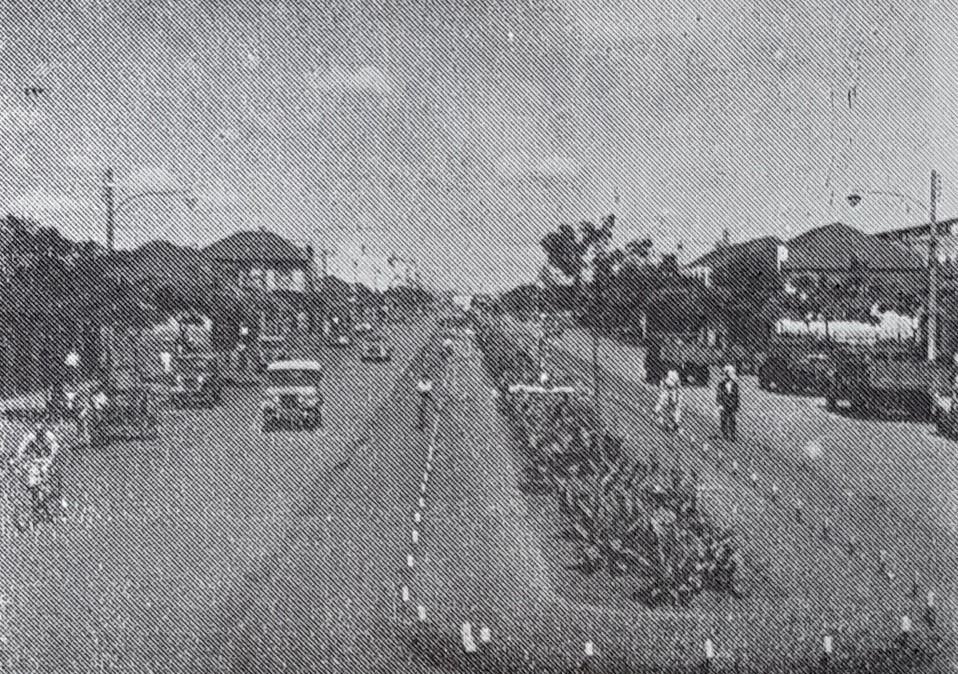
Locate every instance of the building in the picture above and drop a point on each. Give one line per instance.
(265, 264)
(832, 256)
(916, 238)
(708, 268)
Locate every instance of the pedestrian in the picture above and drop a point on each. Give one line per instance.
(669, 406)
(166, 361)
(728, 399)
(424, 389)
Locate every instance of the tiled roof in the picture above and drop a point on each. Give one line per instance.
(834, 247)
(766, 245)
(255, 246)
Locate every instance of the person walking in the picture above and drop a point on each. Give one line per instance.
(728, 399)
(425, 390)
(669, 406)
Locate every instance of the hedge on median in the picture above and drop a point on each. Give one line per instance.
(625, 516)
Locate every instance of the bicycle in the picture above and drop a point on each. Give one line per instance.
(43, 487)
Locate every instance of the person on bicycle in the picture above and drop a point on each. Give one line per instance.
(36, 455)
(669, 406)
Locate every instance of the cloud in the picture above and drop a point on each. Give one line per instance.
(521, 164)
(19, 161)
(514, 165)
(88, 156)
(366, 79)
(20, 119)
(557, 166)
(150, 178)
(40, 204)
(218, 192)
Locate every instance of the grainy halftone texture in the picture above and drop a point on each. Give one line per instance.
(433, 145)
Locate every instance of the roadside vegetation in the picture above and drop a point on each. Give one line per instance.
(627, 517)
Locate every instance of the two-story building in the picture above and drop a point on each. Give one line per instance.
(708, 268)
(832, 257)
(264, 264)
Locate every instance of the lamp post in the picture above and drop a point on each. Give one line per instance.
(112, 207)
(855, 198)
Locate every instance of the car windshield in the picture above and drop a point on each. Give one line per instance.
(293, 378)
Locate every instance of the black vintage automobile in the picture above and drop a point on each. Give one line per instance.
(126, 409)
(691, 360)
(196, 381)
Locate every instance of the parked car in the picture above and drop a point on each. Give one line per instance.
(196, 381)
(130, 411)
(375, 349)
(292, 397)
(363, 328)
(805, 373)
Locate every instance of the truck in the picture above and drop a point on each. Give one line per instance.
(796, 364)
(868, 377)
(691, 359)
(878, 380)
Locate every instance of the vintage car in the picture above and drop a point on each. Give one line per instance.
(945, 413)
(196, 381)
(292, 396)
(128, 411)
(376, 350)
(803, 373)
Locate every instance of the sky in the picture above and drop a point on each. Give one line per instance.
(458, 133)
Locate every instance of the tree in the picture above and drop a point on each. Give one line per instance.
(567, 248)
(639, 249)
(749, 280)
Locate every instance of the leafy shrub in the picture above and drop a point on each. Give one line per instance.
(624, 516)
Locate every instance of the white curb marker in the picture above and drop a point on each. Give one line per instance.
(417, 517)
(410, 561)
(421, 612)
(589, 649)
(468, 642)
(415, 537)
(405, 593)
(485, 635)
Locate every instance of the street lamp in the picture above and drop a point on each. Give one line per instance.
(856, 197)
(112, 206)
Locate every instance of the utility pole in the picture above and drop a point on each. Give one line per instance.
(598, 281)
(933, 272)
(108, 190)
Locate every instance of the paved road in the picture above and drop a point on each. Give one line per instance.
(901, 462)
(891, 484)
(160, 536)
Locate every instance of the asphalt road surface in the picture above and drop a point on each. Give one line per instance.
(162, 540)
(893, 483)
